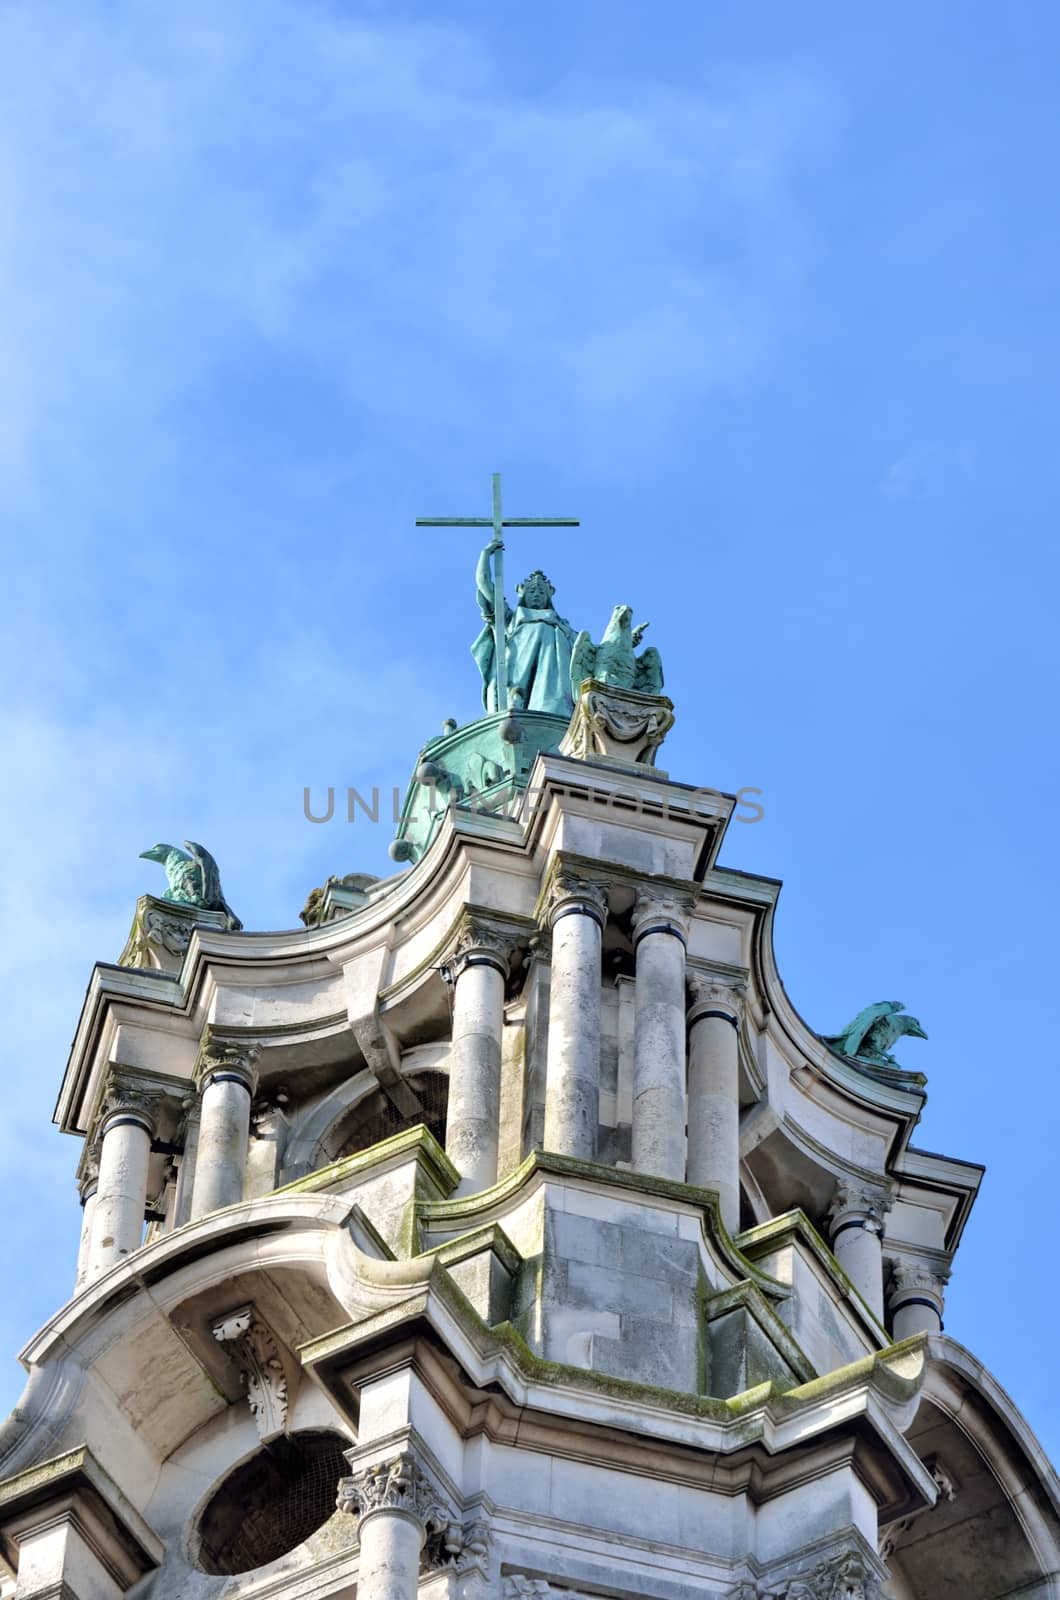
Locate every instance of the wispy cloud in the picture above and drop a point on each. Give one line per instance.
(180, 180)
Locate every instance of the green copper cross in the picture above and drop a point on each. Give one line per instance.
(498, 522)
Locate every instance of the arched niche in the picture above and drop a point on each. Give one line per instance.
(995, 1529)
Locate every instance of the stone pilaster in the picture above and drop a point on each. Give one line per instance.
(660, 936)
(398, 1506)
(714, 1018)
(478, 970)
(127, 1122)
(227, 1080)
(576, 912)
(916, 1298)
(856, 1233)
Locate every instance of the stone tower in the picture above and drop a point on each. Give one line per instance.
(506, 1232)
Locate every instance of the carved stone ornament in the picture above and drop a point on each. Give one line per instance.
(571, 888)
(399, 1484)
(917, 1278)
(460, 1547)
(217, 1054)
(668, 908)
(254, 1347)
(847, 1577)
(710, 993)
(480, 935)
(520, 1586)
(619, 725)
(161, 933)
(127, 1094)
(858, 1201)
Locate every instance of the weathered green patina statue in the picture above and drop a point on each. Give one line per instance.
(538, 643)
(192, 878)
(613, 660)
(873, 1031)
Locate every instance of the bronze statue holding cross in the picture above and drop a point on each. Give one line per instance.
(523, 655)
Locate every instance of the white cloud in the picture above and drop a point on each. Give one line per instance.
(179, 180)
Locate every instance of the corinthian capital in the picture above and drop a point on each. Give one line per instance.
(710, 994)
(221, 1057)
(482, 936)
(400, 1485)
(129, 1096)
(662, 909)
(858, 1204)
(573, 891)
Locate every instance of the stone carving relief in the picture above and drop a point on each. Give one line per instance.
(399, 1484)
(855, 1199)
(707, 991)
(618, 725)
(255, 1348)
(572, 887)
(217, 1054)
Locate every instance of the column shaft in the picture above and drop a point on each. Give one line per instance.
(224, 1134)
(714, 1106)
(389, 1566)
(856, 1216)
(84, 1249)
(572, 1071)
(915, 1317)
(118, 1214)
(473, 1121)
(659, 1055)
(859, 1252)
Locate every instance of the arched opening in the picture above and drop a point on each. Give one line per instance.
(271, 1503)
(376, 1117)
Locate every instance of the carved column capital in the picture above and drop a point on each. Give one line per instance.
(846, 1577)
(858, 1204)
(88, 1173)
(572, 891)
(128, 1097)
(254, 1346)
(662, 909)
(482, 939)
(711, 995)
(226, 1060)
(400, 1485)
(913, 1281)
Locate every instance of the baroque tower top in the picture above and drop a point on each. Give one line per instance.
(506, 1230)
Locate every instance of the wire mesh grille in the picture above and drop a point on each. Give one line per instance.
(378, 1117)
(272, 1503)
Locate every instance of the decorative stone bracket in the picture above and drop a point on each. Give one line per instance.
(255, 1348)
(617, 725)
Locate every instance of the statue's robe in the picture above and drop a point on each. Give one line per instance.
(539, 649)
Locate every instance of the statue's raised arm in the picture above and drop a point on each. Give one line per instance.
(484, 582)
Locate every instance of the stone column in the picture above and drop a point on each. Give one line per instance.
(856, 1229)
(660, 933)
(577, 912)
(88, 1185)
(478, 972)
(916, 1299)
(227, 1081)
(127, 1126)
(714, 1092)
(397, 1505)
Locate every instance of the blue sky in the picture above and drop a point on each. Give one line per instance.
(765, 294)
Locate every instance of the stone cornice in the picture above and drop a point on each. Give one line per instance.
(476, 1210)
(765, 1440)
(76, 1485)
(796, 1224)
